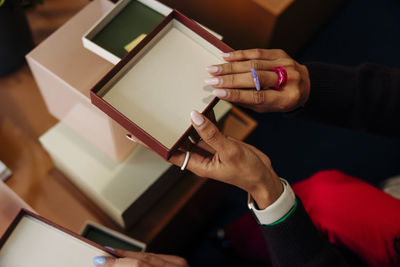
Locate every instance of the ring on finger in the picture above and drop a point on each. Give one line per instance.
(185, 162)
(282, 77)
(255, 79)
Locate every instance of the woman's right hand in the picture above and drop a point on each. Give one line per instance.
(233, 81)
(231, 161)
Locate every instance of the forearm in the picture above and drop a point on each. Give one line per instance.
(366, 97)
(296, 242)
(290, 234)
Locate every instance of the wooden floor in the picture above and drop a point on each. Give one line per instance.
(24, 117)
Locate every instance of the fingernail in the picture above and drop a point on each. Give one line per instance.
(226, 55)
(220, 93)
(213, 69)
(110, 248)
(197, 118)
(98, 260)
(212, 81)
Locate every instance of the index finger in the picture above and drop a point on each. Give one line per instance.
(265, 54)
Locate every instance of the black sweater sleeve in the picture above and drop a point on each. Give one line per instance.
(296, 242)
(366, 97)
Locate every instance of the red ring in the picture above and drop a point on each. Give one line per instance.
(282, 77)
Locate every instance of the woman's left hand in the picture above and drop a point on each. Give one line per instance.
(140, 259)
(233, 81)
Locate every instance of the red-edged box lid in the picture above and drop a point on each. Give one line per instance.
(34, 241)
(153, 89)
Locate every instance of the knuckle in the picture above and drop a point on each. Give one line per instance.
(288, 62)
(211, 135)
(281, 53)
(182, 262)
(228, 68)
(255, 64)
(231, 80)
(294, 76)
(234, 95)
(295, 96)
(258, 97)
(262, 79)
(239, 53)
(258, 53)
(285, 105)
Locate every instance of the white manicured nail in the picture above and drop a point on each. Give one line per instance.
(213, 81)
(221, 93)
(197, 118)
(213, 69)
(226, 55)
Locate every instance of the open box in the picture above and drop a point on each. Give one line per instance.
(153, 89)
(122, 27)
(32, 240)
(128, 20)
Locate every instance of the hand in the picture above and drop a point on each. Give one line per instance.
(234, 81)
(140, 259)
(230, 161)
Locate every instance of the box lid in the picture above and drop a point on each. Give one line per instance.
(152, 91)
(34, 240)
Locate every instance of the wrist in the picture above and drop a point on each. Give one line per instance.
(277, 211)
(264, 194)
(305, 95)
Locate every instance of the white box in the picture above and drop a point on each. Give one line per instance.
(123, 190)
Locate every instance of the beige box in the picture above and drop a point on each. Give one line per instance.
(65, 72)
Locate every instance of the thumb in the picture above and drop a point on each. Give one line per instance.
(209, 132)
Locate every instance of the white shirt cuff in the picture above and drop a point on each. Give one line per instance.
(276, 210)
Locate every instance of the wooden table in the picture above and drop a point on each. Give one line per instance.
(24, 117)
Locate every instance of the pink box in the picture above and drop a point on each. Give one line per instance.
(65, 72)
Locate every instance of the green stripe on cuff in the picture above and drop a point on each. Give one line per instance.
(286, 216)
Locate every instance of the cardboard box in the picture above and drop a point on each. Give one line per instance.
(284, 24)
(65, 72)
(34, 241)
(152, 91)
